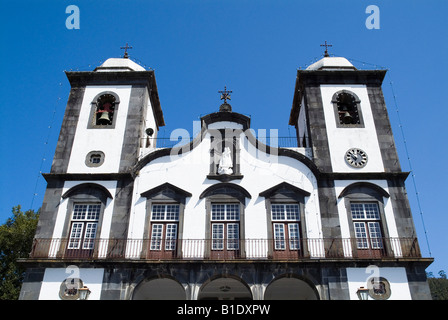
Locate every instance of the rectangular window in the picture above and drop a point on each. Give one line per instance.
(84, 226)
(279, 236)
(171, 236)
(289, 212)
(165, 212)
(229, 212)
(294, 236)
(286, 228)
(367, 227)
(233, 235)
(75, 235)
(226, 233)
(217, 236)
(156, 236)
(164, 231)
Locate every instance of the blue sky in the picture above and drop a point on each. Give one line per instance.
(196, 47)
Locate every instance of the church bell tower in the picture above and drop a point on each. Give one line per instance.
(111, 120)
(340, 114)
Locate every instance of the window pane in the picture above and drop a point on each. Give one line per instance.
(279, 236)
(75, 235)
(294, 236)
(361, 235)
(217, 236)
(277, 212)
(218, 212)
(156, 236)
(158, 212)
(292, 212)
(375, 235)
(89, 237)
(357, 210)
(93, 212)
(371, 210)
(233, 235)
(171, 236)
(79, 211)
(172, 212)
(233, 211)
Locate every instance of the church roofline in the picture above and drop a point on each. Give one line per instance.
(227, 116)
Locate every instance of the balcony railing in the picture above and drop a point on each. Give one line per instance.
(222, 249)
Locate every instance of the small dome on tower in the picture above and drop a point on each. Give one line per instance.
(119, 64)
(332, 63)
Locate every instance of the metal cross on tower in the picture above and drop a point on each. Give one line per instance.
(126, 51)
(225, 94)
(326, 47)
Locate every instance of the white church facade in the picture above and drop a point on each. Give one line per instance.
(226, 215)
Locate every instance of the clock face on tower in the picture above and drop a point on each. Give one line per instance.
(356, 158)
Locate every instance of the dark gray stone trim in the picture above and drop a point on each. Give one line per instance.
(226, 188)
(383, 129)
(167, 188)
(354, 187)
(88, 188)
(68, 129)
(317, 129)
(401, 208)
(86, 176)
(133, 128)
(286, 186)
(49, 209)
(331, 227)
(121, 211)
(32, 284)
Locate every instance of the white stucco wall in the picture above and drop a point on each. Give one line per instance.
(357, 277)
(189, 171)
(53, 278)
(109, 141)
(342, 139)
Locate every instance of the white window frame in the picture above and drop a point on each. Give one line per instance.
(84, 225)
(225, 221)
(165, 226)
(282, 219)
(367, 226)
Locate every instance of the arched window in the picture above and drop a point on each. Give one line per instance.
(86, 205)
(347, 109)
(104, 110)
(367, 224)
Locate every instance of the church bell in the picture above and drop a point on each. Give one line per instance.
(104, 118)
(347, 118)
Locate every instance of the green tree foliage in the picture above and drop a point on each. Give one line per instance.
(16, 237)
(438, 286)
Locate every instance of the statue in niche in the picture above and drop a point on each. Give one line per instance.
(225, 163)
